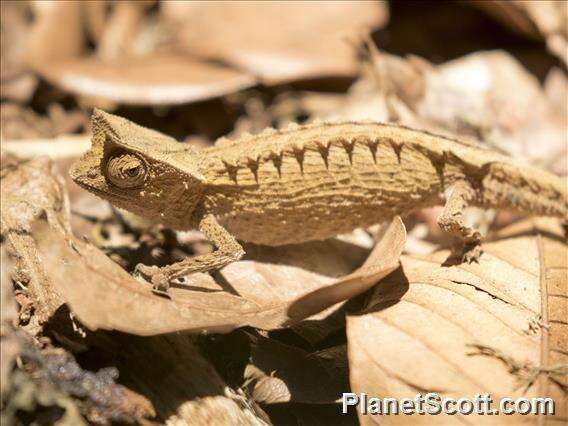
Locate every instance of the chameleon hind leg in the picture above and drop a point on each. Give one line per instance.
(227, 250)
(452, 220)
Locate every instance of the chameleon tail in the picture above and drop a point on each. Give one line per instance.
(526, 190)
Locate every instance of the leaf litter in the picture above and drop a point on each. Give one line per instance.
(303, 323)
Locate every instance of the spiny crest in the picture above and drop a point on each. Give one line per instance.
(349, 146)
(373, 145)
(397, 148)
(299, 152)
(232, 169)
(252, 164)
(323, 149)
(276, 158)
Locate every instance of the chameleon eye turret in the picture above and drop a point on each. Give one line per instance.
(126, 170)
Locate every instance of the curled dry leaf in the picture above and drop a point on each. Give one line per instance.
(148, 80)
(263, 295)
(382, 260)
(279, 373)
(30, 191)
(277, 41)
(496, 327)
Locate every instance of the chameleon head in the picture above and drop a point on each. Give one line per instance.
(141, 170)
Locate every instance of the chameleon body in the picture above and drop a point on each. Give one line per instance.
(303, 183)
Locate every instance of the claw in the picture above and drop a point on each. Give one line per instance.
(471, 253)
(160, 282)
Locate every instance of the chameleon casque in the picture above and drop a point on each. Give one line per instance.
(302, 183)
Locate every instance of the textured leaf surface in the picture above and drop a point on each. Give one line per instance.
(151, 80)
(496, 327)
(263, 295)
(277, 41)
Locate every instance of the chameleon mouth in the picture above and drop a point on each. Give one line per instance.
(91, 179)
(85, 183)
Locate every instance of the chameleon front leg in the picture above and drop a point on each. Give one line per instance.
(227, 250)
(459, 196)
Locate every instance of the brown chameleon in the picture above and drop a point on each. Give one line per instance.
(302, 183)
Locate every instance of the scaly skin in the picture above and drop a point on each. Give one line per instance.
(303, 183)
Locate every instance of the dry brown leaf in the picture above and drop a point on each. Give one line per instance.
(277, 41)
(262, 295)
(148, 80)
(279, 373)
(330, 321)
(20, 122)
(30, 191)
(87, 209)
(496, 327)
(56, 33)
(121, 28)
(382, 261)
(16, 81)
(13, 27)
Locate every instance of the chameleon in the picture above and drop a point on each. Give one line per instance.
(303, 183)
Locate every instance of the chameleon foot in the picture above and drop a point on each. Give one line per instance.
(471, 253)
(160, 281)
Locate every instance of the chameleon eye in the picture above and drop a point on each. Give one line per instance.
(126, 170)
